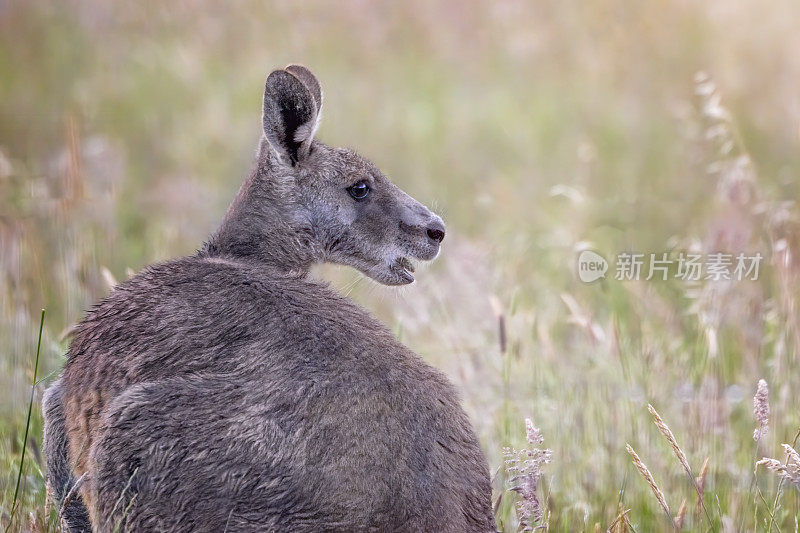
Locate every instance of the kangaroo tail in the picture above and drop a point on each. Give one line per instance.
(60, 480)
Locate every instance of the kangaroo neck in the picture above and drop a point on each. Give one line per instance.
(259, 227)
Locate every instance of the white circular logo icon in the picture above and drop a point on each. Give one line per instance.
(591, 266)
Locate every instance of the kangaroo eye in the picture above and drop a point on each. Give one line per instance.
(359, 191)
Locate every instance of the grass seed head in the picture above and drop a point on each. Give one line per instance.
(645, 472)
(664, 429)
(761, 410)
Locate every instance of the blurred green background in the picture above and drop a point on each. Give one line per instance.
(535, 128)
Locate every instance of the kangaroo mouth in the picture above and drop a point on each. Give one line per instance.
(403, 268)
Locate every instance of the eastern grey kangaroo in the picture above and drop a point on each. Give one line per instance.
(228, 391)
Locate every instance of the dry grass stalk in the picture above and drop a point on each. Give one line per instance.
(33, 523)
(73, 492)
(621, 524)
(787, 471)
(700, 482)
(761, 410)
(502, 336)
(681, 516)
(643, 470)
(525, 467)
(664, 429)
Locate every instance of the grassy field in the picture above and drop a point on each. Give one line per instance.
(537, 129)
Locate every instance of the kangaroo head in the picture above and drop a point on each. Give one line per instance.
(307, 203)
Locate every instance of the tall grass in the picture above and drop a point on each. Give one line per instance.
(27, 425)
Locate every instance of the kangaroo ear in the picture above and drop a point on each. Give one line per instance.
(310, 81)
(292, 104)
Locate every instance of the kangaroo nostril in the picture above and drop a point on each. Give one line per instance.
(436, 234)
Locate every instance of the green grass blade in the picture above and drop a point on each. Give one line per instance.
(27, 423)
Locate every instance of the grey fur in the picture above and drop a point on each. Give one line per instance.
(59, 474)
(229, 391)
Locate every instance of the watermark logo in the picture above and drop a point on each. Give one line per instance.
(662, 266)
(591, 266)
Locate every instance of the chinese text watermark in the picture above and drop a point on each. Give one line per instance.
(684, 266)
